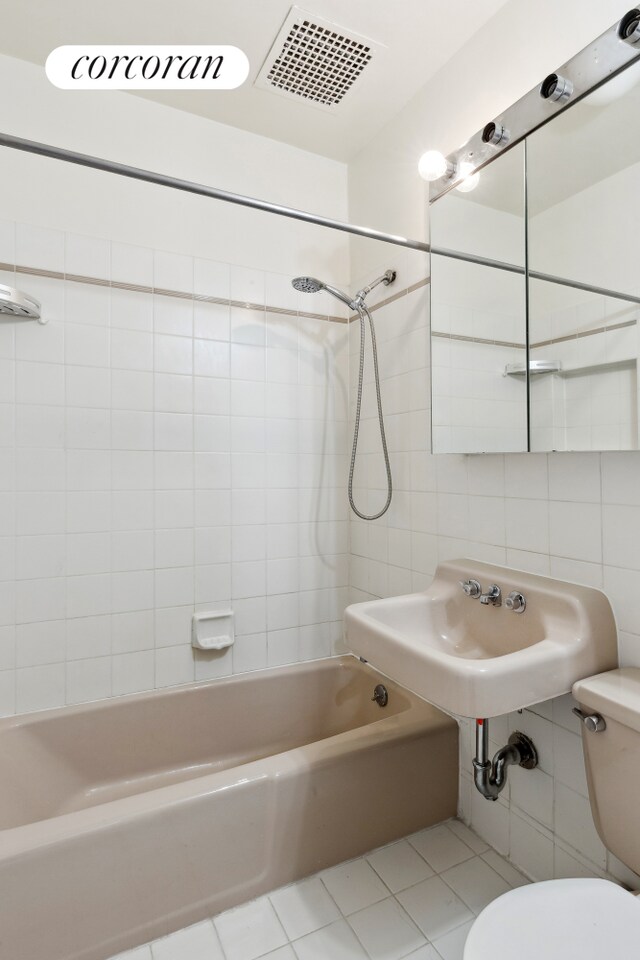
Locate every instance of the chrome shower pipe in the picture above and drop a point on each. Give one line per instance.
(490, 776)
(200, 189)
(387, 277)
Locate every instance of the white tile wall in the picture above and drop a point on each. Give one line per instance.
(574, 516)
(471, 393)
(161, 455)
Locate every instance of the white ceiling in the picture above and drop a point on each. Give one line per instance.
(419, 36)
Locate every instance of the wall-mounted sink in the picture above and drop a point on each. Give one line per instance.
(478, 656)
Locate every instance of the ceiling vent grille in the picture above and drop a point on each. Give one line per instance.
(314, 59)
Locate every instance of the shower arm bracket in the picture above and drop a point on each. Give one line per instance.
(387, 277)
(490, 776)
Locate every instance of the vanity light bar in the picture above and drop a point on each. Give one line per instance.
(602, 59)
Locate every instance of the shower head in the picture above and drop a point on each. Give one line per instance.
(307, 284)
(14, 303)
(311, 285)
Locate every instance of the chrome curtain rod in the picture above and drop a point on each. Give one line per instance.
(200, 189)
(534, 274)
(188, 186)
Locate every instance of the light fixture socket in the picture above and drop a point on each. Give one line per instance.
(629, 29)
(495, 134)
(556, 88)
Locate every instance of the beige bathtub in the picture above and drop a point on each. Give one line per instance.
(125, 819)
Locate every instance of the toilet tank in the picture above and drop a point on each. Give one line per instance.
(612, 759)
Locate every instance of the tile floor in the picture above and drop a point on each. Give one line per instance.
(412, 900)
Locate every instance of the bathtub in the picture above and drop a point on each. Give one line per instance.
(125, 819)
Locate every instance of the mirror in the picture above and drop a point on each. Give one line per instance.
(478, 315)
(568, 343)
(583, 205)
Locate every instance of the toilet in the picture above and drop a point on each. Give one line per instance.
(583, 918)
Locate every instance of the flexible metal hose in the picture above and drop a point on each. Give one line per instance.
(362, 312)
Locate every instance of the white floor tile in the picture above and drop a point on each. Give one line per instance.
(140, 953)
(354, 885)
(199, 942)
(304, 907)
(283, 953)
(440, 847)
(399, 865)
(385, 931)
(424, 953)
(250, 931)
(475, 883)
(335, 942)
(434, 907)
(471, 839)
(509, 873)
(451, 946)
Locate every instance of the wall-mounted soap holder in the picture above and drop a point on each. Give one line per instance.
(212, 630)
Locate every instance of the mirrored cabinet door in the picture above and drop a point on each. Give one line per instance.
(583, 183)
(478, 313)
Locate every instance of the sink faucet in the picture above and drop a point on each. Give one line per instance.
(493, 596)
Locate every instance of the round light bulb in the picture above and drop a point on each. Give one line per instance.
(432, 165)
(469, 180)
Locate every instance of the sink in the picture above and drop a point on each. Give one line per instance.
(480, 660)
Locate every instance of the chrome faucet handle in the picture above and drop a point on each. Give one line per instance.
(493, 596)
(471, 587)
(516, 602)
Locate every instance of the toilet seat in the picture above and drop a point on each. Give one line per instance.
(558, 920)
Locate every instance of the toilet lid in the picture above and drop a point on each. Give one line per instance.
(557, 920)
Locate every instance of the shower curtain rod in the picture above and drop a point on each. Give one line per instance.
(535, 274)
(200, 189)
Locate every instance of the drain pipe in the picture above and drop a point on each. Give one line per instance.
(490, 776)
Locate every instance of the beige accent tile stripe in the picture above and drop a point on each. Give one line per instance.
(490, 343)
(585, 333)
(162, 292)
(539, 343)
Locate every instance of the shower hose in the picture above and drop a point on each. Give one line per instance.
(362, 312)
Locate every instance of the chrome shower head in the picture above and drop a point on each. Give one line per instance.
(307, 284)
(311, 285)
(14, 303)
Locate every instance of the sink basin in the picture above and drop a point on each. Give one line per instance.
(479, 660)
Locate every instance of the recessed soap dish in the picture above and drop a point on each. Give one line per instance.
(212, 630)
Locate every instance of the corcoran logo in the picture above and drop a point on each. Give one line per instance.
(146, 67)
